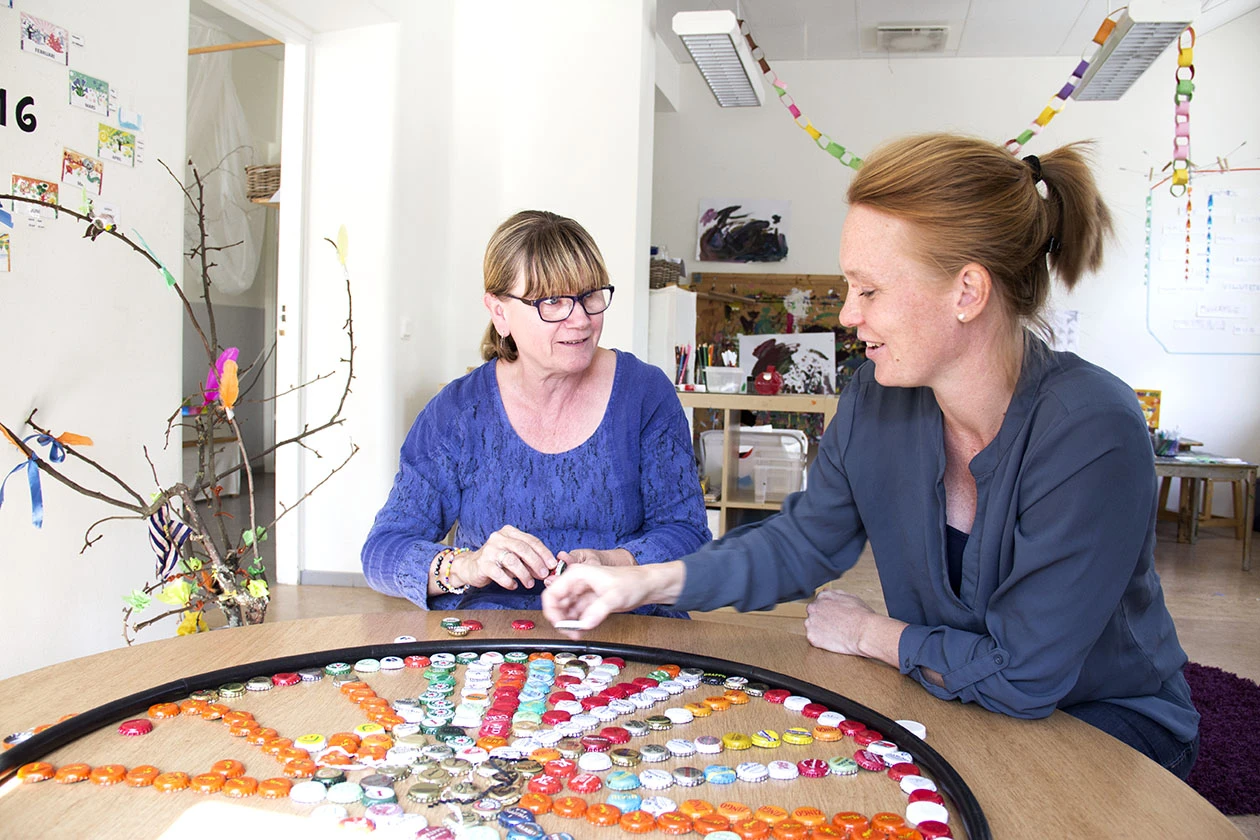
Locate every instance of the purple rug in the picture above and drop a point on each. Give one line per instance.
(1229, 748)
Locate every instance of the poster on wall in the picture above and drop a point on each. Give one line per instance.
(45, 39)
(806, 361)
(116, 145)
(89, 93)
(80, 170)
(742, 231)
(36, 188)
(4, 253)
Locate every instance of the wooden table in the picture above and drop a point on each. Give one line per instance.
(1192, 474)
(1050, 778)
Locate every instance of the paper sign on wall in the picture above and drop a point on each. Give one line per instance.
(5, 247)
(116, 145)
(81, 170)
(45, 39)
(89, 93)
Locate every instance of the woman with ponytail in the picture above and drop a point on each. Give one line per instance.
(1007, 490)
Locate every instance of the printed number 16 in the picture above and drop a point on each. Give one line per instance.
(25, 121)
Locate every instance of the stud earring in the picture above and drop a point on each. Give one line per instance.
(962, 316)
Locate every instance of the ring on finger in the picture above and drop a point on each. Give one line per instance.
(502, 558)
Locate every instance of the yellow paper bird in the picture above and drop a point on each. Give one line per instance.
(229, 387)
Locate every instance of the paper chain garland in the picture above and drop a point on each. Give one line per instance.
(1181, 117)
(1060, 99)
(824, 142)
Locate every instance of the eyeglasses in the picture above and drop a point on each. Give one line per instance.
(559, 307)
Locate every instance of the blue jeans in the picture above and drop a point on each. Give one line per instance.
(1140, 732)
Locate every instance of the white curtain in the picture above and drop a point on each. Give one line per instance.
(218, 136)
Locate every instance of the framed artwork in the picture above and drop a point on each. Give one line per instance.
(806, 361)
(742, 231)
(1149, 400)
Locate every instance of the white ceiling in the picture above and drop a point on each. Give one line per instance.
(791, 30)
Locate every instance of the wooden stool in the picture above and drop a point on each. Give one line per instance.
(1206, 517)
(1208, 520)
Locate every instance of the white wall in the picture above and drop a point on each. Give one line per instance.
(703, 151)
(90, 331)
(426, 135)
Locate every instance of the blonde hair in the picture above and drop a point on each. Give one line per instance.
(972, 201)
(557, 257)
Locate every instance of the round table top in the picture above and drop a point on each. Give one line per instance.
(1056, 777)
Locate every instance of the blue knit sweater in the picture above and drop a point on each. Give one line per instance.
(633, 484)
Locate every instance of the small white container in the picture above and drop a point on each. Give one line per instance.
(724, 380)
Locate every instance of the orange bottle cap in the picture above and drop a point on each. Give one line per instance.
(827, 733)
(108, 774)
(240, 786)
(790, 829)
(36, 771)
(170, 782)
(709, 823)
(734, 811)
(261, 736)
(886, 821)
(851, 821)
(751, 829)
(230, 768)
(672, 822)
(603, 814)
(544, 754)
(276, 788)
(299, 768)
(164, 710)
(718, 704)
(737, 697)
(72, 773)
(141, 776)
(638, 822)
(535, 803)
(770, 814)
(208, 782)
(827, 832)
(672, 670)
(809, 816)
(696, 807)
(569, 806)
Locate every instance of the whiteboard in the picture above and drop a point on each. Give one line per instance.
(1203, 281)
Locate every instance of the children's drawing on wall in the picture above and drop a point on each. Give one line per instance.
(742, 231)
(4, 253)
(806, 361)
(80, 170)
(133, 120)
(116, 145)
(37, 188)
(89, 93)
(1064, 325)
(45, 39)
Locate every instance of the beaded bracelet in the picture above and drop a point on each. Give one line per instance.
(443, 561)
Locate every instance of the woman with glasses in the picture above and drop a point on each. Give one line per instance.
(555, 451)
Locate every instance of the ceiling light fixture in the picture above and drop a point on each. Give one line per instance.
(718, 49)
(1142, 32)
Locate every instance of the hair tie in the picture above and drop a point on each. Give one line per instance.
(1035, 163)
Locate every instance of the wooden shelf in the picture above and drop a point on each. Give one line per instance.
(731, 405)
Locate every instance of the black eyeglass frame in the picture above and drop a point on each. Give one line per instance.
(574, 300)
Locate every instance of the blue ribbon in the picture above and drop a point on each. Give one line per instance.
(56, 454)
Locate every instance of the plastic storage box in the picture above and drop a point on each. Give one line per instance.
(724, 380)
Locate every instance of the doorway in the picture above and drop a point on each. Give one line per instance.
(234, 127)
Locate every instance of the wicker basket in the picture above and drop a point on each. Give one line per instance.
(261, 182)
(662, 273)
